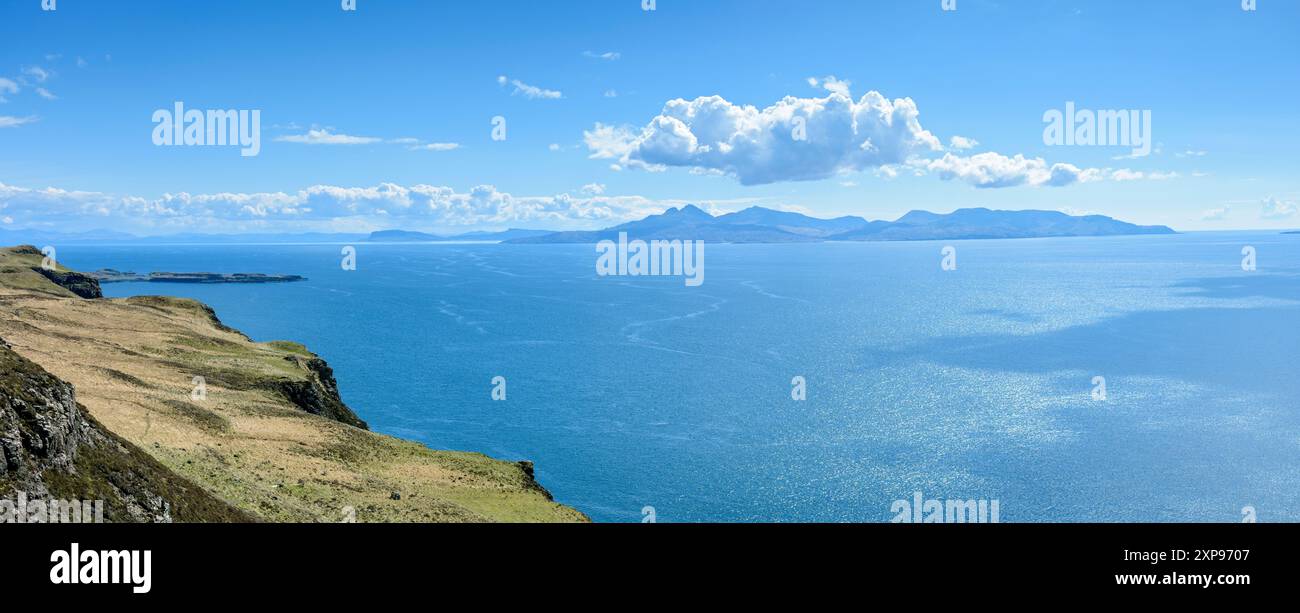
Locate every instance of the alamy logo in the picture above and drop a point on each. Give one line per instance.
(73, 566)
(213, 128)
(1104, 128)
(656, 258)
(20, 510)
(932, 511)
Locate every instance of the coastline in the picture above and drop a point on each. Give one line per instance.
(260, 426)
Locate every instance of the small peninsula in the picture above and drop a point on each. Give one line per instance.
(109, 275)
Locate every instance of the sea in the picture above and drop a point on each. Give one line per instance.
(1098, 379)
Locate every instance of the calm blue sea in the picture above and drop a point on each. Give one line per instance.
(973, 384)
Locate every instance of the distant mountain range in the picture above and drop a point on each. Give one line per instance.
(761, 225)
(404, 236)
(752, 225)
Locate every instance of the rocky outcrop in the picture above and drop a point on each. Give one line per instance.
(319, 393)
(50, 449)
(82, 285)
(530, 479)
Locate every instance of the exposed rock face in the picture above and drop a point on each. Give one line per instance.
(85, 286)
(51, 449)
(40, 423)
(319, 394)
(530, 479)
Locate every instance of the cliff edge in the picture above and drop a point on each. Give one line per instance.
(259, 427)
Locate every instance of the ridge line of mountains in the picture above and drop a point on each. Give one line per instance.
(762, 225)
(752, 225)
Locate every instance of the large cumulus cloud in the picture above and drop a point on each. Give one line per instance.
(805, 139)
(796, 139)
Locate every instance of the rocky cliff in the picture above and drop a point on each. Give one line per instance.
(51, 450)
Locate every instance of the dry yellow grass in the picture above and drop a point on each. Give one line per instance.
(133, 362)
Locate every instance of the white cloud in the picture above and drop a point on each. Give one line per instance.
(1218, 214)
(36, 72)
(45, 93)
(1272, 208)
(800, 139)
(1125, 174)
(324, 136)
(436, 147)
(593, 189)
(758, 146)
(7, 87)
(321, 207)
(1192, 154)
(554, 147)
(990, 170)
(608, 56)
(609, 142)
(609, 93)
(81, 62)
(9, 121)
(961, 142)
(832, 84)
(531, 92)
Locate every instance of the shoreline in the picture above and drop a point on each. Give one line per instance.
(258, 425)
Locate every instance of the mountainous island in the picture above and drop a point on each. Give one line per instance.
(752, 225)
(154, 406)
(762, 225)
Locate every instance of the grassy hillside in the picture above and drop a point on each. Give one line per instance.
(53, 450)
(270, 436)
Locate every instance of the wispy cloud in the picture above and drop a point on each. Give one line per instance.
(45, 93)
(530, 91)
(1272, 208)
(325, 136)
(7, 87)
(9, 121)
(435, 147)
(608, 56)
(1218, 214)
(36, 72)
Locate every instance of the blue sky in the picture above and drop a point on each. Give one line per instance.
(350, 101)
